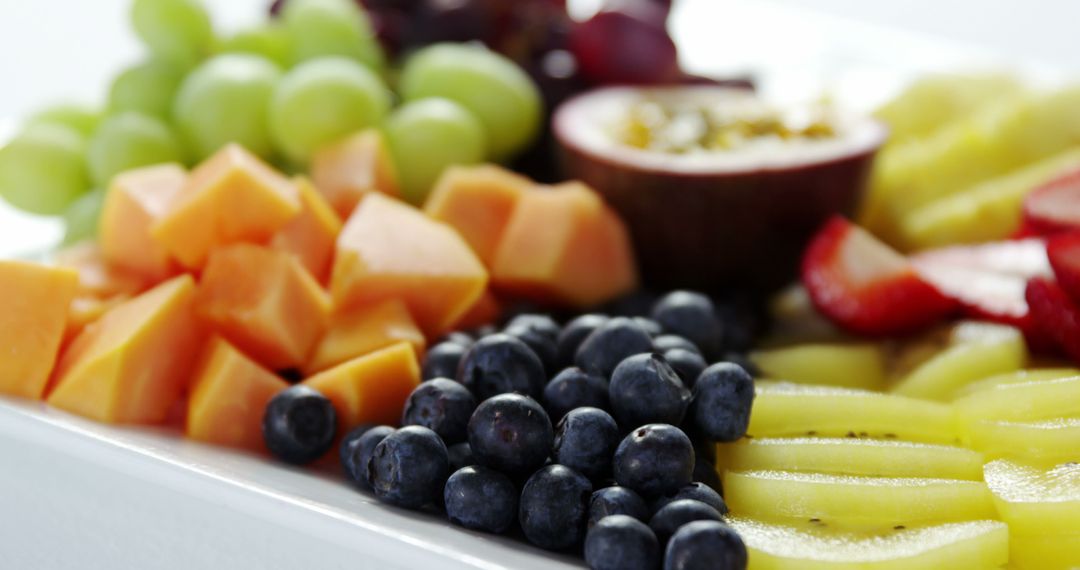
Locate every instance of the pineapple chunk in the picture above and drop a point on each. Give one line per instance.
(784, 409)
(1017, 377)
(1051, 552)
(855, 501)
(809, 546)
(847, 456)
(857, 365)
(1035, 501)
(1024, 401)
(1047, 441)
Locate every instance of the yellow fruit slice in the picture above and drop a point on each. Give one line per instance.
(1017, 377)
(1047, 441)
(1025, 401)
(857, 365)
(975, 545)
(1050, 552)
(1033, 500)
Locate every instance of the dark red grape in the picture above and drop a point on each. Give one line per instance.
(630, 46)
(436, 21)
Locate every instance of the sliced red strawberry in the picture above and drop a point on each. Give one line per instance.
(1055, 314)
(1054, 207)
(865, 286)
(1063, 250)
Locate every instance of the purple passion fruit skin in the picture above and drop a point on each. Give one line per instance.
(714, 227)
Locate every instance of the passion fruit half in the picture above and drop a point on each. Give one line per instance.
(720, 189)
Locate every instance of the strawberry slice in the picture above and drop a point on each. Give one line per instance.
(1055, 314)
(863, 285)
(1054, 207)
(1063, 250)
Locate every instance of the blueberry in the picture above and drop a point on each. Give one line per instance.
(742, 360)
(356, 449)
(723, 396)
(688, 365)
(672, 516)
(460, 455)
(483, 330)
(650, 326)
(443, 360)
(666, 342)
(585, 440)
(442, 405)
(705, 545)
(616, 500)
(457, 337)
(610, 344)
(299, 425)
(501, 364)
(704, 446)
(654, 459)
(574, 333)
(694, 491)
(542, 324)
(692, 316)
(409, 467)
(644, 389)
(480, 498)
(620, 542)
(554, 505)
(540, 343)
(573, 388)
(511, 433)
(705, 473)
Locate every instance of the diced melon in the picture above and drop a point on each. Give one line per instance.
(34, 301)
(485, 311)
(264, 302)
(84, 310)
(364, 330)
(131, 365)
(231, 197)
(136, 200)
(96, 277)
(855, 501)
(975, 351)
(371, 388)
(1016, 377)
(1036, 501)
(228, 398)
(1046, 441)
(347, 170)
(390, 250)
(853, 365)
(311, 235)
(1023, 401)
(1047, 552)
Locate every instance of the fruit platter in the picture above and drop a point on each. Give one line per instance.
(438, 284)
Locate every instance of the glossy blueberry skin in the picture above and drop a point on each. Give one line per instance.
(723, 396)
(442, 405)
(585, 440)
(620, 542)
(688, 365)
(650, 326)
(501, 364)
(458, 337)
(696, 492)
(409, 467)
(654, 459)
(644, 390)
(460, 455)
(610, 344)
(692, 316)
(443, 360)
(675, 514)
(616, 500)
(705, 545)
(511, 433)
(536, 322)
(742, 360)
(666, 342)
(480, 498)
(540, 342)
(299, 425)
(554, 506)
(574, 333)
(574, 388)
(356, 449)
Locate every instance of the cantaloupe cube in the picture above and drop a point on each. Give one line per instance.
(352, 167)
(228, 398)
(364, 330)
(389, 249)
(564, 246)
(136, 200)
(231, 197)
(264, 302)
(131, 365)
(311, 235)
(84, 310)
(478, 202)
(97, 278)
(485, 311)
(372, 388)
(34, 301)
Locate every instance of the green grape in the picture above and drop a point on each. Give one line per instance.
(179, 31)
(81, 217)
(268, 40)
(492, 87)
(130, 140)
(43, 169)
(81, 118)
(322, 100)
(225, 100)
(331, 27)
(427, 136)
(148, 88)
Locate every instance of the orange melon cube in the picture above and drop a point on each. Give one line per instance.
(97, 278)
(33, 313)
(371, 388)
(486, 310)
(231, 197)
(132, 364)
(564, 246)
(364, 330)
(84, 310)
(477, 201)
(311, 235)
(136, 200)
(389, 250)
(347, 170)
(264, 302)
(228, 397)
